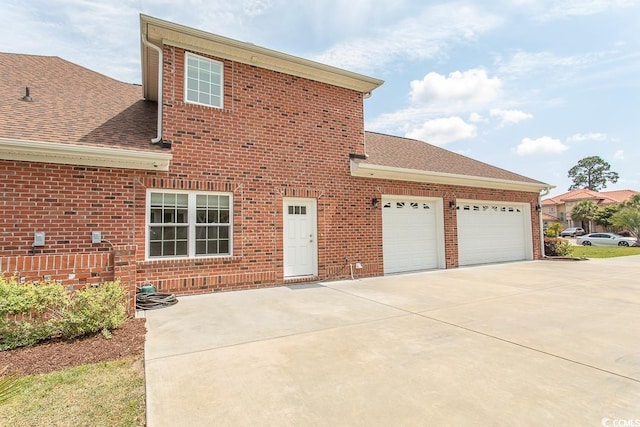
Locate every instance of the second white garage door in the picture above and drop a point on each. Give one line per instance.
(493, 232)
(411, 234)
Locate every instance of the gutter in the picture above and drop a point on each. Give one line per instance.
(365, 170)
(146, 42)
(83, 155)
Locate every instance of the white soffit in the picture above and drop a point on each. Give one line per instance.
(53, 152)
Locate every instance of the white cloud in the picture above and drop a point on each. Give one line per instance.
(581, 137)
(550, 10)
(543, 145)
(556, 9)
(438, 95)
(522, 64)
(400, 120)
(255, 7)
(471, 86)
(618, 155)
(426, 34)
(508, 117)
(443, 130)
(476, 118)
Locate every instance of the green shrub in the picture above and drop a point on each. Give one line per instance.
(28, 312)
(21, 333)
(35, 311)
(30, 298)
(95, 309)
(556, 247)
(554, 229)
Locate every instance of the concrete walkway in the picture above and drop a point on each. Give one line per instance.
(532, 343)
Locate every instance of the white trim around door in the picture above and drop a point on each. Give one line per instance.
(490, 231)
(300, 237)
(412, 233)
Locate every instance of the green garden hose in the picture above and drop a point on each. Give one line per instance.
(153, 301)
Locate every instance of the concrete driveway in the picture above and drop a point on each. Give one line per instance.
(531, 343)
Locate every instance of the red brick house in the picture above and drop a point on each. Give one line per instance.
(233, 167)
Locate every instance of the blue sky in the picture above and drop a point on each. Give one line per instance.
(531, 86)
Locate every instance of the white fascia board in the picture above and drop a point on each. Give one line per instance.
(169, 33)
(67, 154)
(364, 170)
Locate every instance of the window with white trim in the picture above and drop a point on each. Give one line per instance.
(187, 224)
(203, 81)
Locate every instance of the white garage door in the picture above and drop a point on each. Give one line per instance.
(410, 237)
(493, 232)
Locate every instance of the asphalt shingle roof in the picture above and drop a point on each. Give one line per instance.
(406, 153)
(72, 105)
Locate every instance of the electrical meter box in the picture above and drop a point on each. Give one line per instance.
(38, 238)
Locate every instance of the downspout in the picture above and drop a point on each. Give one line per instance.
(146, 42)
(540, 196)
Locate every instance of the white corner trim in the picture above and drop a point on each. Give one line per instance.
(364, 170)
(68, 154)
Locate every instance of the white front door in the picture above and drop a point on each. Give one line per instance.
(300, 237)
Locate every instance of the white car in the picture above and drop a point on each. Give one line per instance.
(606, 239)
(572, 232)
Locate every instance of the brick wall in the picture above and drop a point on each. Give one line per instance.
(66, 203)
(74, 269)
(277, 136)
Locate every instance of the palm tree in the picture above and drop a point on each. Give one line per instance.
(10, 385)
(554, 229)
(628, 219)
(584, 211)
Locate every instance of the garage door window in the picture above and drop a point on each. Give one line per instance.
(485, 208)
(412, 205)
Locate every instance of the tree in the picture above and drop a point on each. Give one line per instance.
(604, 214)
(633, 202)
(554, 229)
(583, 211)
(628, 219)
(592, 173)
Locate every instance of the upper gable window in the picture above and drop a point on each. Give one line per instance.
(203, 81)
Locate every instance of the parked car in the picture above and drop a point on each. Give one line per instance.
(606, 239)
(572, 232)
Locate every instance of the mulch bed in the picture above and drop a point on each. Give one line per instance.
(54, 355)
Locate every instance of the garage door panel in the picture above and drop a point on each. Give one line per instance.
(491, 232)
(409, 235)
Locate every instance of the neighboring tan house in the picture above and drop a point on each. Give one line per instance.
(233, 167)
(559, 208)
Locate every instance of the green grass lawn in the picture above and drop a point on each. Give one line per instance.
(100, 394)
(603, 251)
